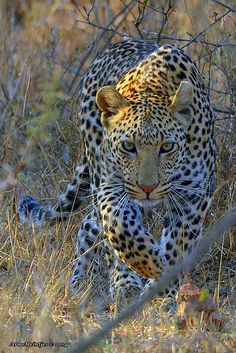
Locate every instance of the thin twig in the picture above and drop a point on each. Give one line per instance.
(224, 5)
(207, 28)
(224, 111)
(165, 16)
(163, 36)
(138, 21)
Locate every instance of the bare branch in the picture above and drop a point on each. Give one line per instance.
(88, 22)
(155, 9)
(138, 21)
(100, 36)
(166, 13)
(203, 246)
(128, 8)
(154, 36)
(224, 5)
(224, 111)
(206, 29)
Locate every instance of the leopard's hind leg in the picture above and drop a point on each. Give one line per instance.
(88, 255)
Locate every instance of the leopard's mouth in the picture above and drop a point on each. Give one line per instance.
(146, 203)
(146, 200)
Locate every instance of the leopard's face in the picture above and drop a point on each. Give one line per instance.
(148, 157)
(146, 142)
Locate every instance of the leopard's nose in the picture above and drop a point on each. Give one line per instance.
(147, 188)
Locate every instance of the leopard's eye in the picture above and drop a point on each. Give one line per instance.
(129, 146)
(167, 147)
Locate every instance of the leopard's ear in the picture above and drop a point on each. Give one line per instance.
(110, 102)
(181, 101)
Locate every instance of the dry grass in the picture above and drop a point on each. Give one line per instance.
(45, 47)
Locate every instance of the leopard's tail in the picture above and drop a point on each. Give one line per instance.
(30, 210)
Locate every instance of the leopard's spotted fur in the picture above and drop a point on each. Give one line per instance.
(151, 142)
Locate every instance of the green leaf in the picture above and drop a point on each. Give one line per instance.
(204, 295)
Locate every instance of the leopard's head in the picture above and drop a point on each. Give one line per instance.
(146, 139)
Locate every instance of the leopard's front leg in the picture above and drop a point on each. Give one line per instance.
(183, 226)
(133, 244)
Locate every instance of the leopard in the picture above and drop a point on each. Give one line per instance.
(147, 130)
